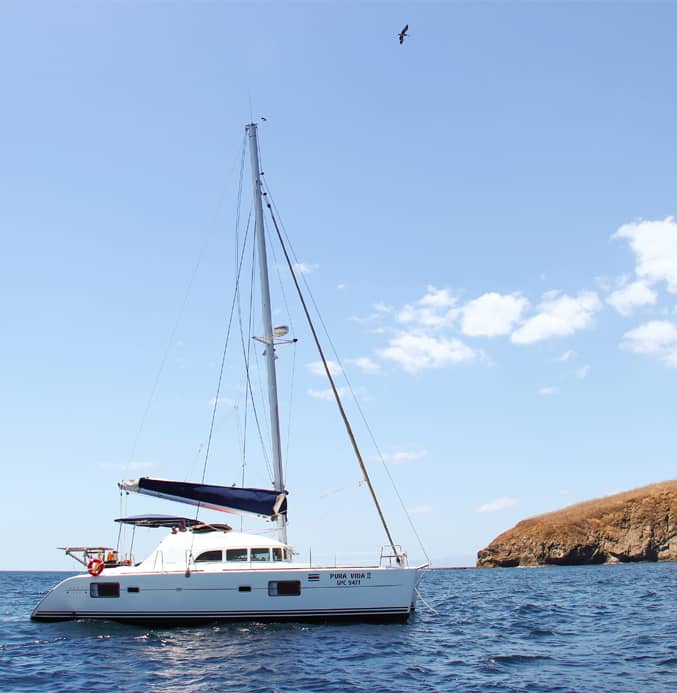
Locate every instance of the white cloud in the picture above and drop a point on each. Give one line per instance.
(559, 315)
(498, 505)
(655, 246)
(435, 309)
(492, 314)
(383, 308)
(304, 267)
(402, 456)
(317, 368)
(414, 352)
(366, 318)
(549, 390)
(604, 282)
(551, 295)
(380, 311)
(328, 394)
(340, 286)
(568, 355)
(628, 298)
(437, 298)
(656, 338)
(427, 317)
(582, 373)
(366, 365)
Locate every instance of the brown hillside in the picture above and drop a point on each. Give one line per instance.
(637, 525)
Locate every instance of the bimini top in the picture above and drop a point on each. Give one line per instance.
(159, 521)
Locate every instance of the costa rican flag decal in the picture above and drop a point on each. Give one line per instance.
(313, 577)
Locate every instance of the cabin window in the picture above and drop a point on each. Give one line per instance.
(209, 557)
(133, 589)
(104, 589)
(244, 588)
(236, 555)
(260, 554)
(278, 554)
(284, 588)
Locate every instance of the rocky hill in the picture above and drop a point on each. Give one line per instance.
(638, 525)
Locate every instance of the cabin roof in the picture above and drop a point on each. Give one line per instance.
(199, 541)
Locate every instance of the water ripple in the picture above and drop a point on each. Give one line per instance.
(611, 628)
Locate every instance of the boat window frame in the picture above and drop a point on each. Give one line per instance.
(212, 553)
(112, 587)
(290, 588)
(243, 559)
(259, 559)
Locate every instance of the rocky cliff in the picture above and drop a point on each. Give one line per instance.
(638, 525)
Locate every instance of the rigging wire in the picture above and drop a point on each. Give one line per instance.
(272, 205)
(122, 514)
(196, 460)
(218, 387)
(245, 389)
(242, 439)
(182, 309)
(343, 489)
(291, 407)
(227, 340)
(349, 429)
(283, 293)
(230, 322)
(175, 328)
(243, 433)
(246, 350)
(172, 335)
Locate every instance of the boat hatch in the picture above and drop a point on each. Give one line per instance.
(201, 528)
(169, 521)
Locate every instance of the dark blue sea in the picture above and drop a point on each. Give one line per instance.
(594, 628)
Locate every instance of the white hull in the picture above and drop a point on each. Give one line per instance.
(364, 593)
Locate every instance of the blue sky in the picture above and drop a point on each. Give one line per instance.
(485, 216)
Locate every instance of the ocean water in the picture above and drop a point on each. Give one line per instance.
(593, 628)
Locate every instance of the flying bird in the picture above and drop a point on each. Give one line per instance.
(403, 33)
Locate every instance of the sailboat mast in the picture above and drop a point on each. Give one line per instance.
(268, 337)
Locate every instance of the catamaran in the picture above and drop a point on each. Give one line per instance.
(203, 571)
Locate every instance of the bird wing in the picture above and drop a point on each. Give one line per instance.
(406, 28)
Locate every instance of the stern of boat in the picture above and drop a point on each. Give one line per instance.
(58, 604)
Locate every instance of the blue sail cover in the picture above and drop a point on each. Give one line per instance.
(244, 501)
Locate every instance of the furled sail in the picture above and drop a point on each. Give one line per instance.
(243, 501)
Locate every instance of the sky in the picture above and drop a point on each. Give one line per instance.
(485, 216)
